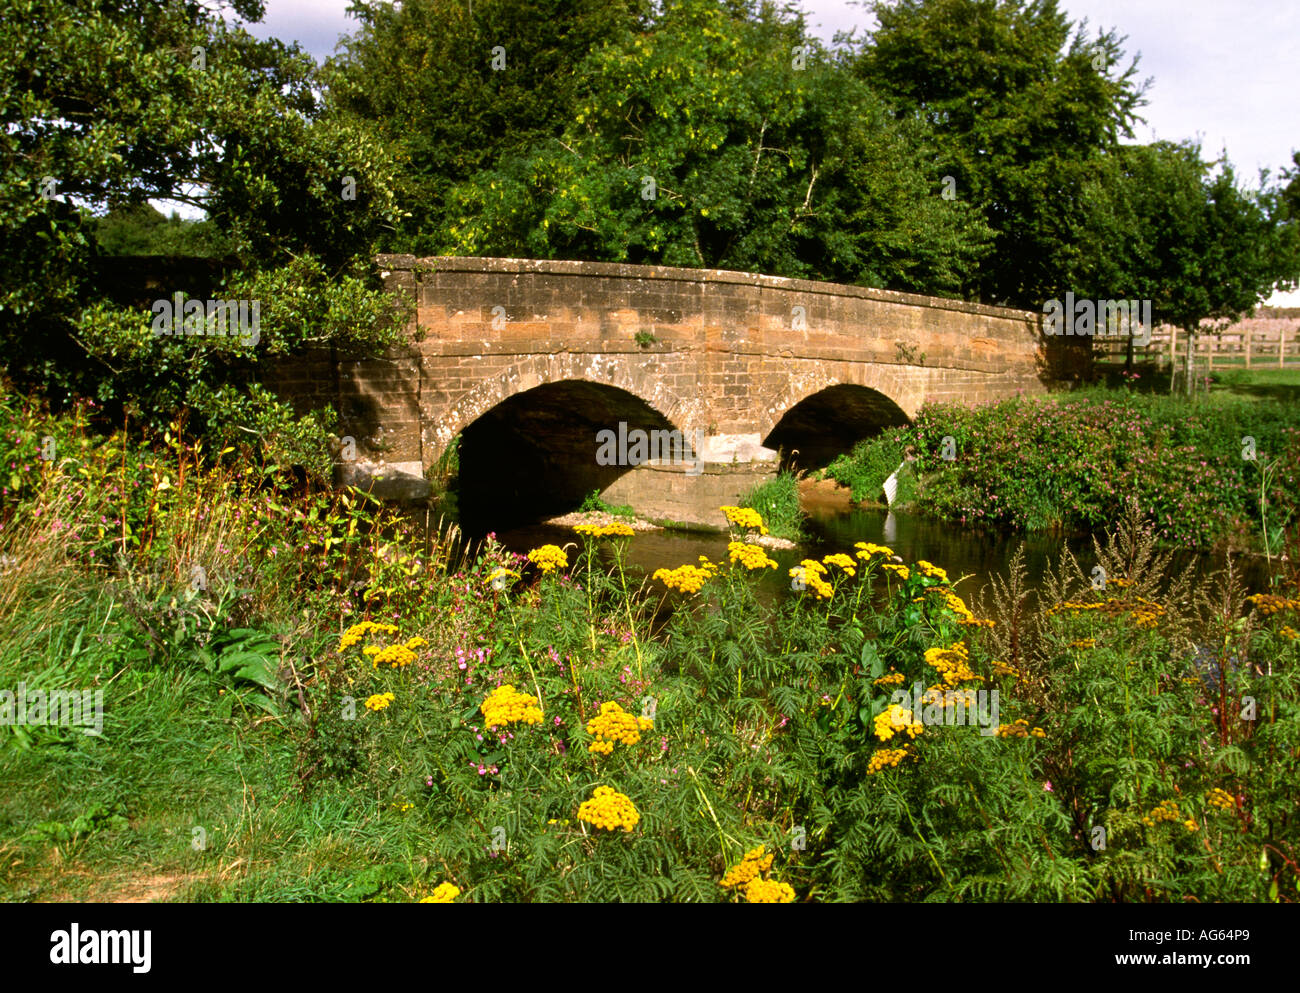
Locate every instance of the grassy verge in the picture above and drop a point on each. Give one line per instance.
(777, 500)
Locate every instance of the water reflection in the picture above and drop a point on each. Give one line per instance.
(961, 551)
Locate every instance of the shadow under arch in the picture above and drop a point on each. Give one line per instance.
(829, 423)
(534, 454)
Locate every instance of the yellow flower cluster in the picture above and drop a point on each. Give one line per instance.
(616, 529)
(810, 573)
(891, 678)
(1271, 603)
(1166, 811)
(500, 575)
(354, 634)
(398, 655)
(687, 578)
(951, 663)
(755, 862)
(609, 809)
(768, 891)
(444, 893)
(1084, 643)
(745, 517)
(931, 571)
(885, 758)
(958, 606)
(506, 705)
(1220, 799)
(866, 549)
(750, 556)
(549, 557)
(1020, 729)
(895, 720)
(614, 724)
(842, 561)
(1148, 615)
(901, 571)
(379, 701)
(1289, 633)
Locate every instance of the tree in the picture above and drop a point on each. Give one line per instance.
(1024, 106)
(457, 86)
(1186, 237)
(107, 105)
(722, 136)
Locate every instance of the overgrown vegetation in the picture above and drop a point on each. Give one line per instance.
(309, 717)
(777, 500)
(1221, 471)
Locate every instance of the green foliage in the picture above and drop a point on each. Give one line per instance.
(1025, 110)
(1071, 462)
(777, 500)
(593, 502)
(140, 229)
(865, 469)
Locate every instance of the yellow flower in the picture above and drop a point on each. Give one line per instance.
(379, 701)
(396, 655)
(1020, 729)
(357, 632)
(444, 893)
(895, 720)
(505, 705)
(842, 561)
(548, 557)
(1084, 643)
(1220, 799)
(768, 891)
(901, 571)
(755, 862)
(931, 571)
(891, 678)
(1191, 825)
(609, 809)
(745, 517)
(614, 724)
(500, 577)
(806, 577)
(885, 758)
(750, 556)
(951, 663)
(867, 549)
(615, 529)
(687, 578)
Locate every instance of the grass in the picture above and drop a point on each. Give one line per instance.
(777, 499)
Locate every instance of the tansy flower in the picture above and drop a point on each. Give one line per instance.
(745, 517)
(895, 720)
(885, 758)
(901, 571)
(768, 891)
(548, 557)
(750, 556)
(755, 862)
(506, 705)
(444, 893)
(687, 578)
(617, 529)
(609, 809)
(379, 701)
(931, 571)
(614, 724)
(842, 561)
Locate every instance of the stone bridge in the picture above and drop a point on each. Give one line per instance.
(527, 361)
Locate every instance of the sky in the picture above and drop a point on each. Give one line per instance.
(1223, 71)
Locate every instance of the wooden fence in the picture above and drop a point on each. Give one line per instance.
(1271, 338)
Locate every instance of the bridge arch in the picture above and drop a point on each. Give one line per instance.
(830, 421)
(540, 451)
(639, 377)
